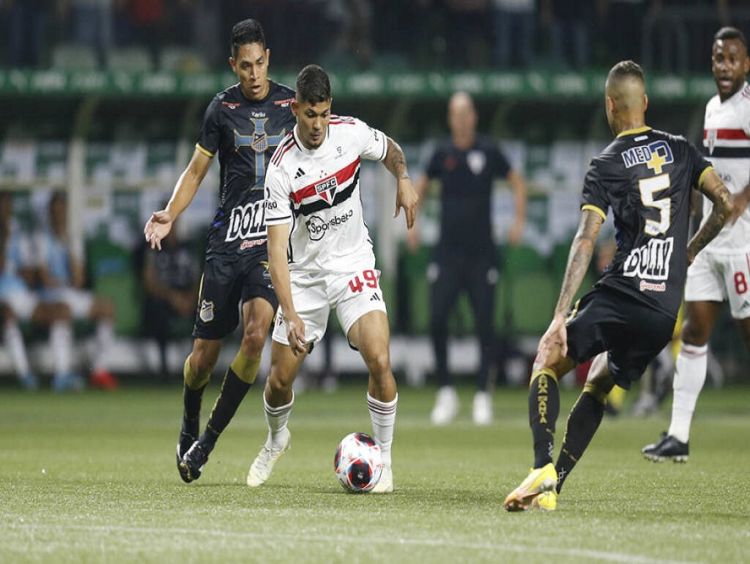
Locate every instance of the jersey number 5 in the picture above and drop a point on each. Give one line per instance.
(649, 187)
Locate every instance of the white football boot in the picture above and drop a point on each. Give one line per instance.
(446, 406)
(385, 484)
(262, 466)
(482, 409)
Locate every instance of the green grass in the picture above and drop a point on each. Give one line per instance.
(92, 478)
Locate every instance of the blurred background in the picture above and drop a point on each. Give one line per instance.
(102, 100)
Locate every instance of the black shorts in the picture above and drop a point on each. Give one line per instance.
(631, 332)
(224, 287)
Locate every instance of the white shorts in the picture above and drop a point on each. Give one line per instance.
(351, 294)
(717, 278)
(80, 302)
(22, 302)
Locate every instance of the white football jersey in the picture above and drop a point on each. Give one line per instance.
(317, 192)
(726, 138)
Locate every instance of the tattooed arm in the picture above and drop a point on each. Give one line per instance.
(713, 188)
(406, 196)
(554, 342)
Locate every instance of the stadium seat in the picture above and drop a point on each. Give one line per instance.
(71, 56)
(130, 59)
(174, 58)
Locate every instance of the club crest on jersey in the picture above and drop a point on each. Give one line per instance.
(207, 311)
(476, 161)
(326, 189)
(258, 140)
(654, 155)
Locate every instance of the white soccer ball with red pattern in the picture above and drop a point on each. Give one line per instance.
(358, 462)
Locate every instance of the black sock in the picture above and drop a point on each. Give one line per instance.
(191, 414)
(544, 407)
(583, 421)
(232, 393)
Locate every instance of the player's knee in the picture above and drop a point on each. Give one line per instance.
(253, 340)
(196, 373)
(379, 362)
(203, 359)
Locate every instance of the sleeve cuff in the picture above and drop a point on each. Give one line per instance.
(204, 151)
(705, 170)
(278, 220)
(595, 209)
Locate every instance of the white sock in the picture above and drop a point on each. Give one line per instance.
(688, 382)
(14, 341)
(276, 419)
(105, 336)
(383, 417)
(61, 341)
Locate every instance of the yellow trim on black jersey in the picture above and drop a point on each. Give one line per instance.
(705, 170)
(204, 151)
(595, 209)
(634, 131)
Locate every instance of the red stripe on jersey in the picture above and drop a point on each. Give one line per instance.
(729, 134)
(281, 150)
(342, 176)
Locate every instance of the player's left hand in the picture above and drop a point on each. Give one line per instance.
(739, 204)
(407, 198)
(553, 343)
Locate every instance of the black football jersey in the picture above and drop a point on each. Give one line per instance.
(645, 176)
(245, 134)
(466, 177)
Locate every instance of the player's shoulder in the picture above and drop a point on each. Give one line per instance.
(672, 138)
(343, 121)
(280, 95)
(280, 158)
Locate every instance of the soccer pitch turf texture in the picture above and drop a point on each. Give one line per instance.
(92, 478)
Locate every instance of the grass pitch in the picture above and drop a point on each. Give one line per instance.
(92, 478)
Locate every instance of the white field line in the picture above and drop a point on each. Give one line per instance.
(608, 556)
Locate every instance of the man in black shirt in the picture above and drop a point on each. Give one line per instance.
(465, 258)
(243, 124)
(645, 176)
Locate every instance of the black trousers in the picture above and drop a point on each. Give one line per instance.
(450, 275)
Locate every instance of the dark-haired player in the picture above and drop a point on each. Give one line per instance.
(722, 272)
(645, 177)
(243, 124)
(321, 258)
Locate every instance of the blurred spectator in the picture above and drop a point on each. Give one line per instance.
(61, 273)
(349, 21)
(515, 22)
(568, 23)
(468, 27)
(144, 24)
(25, 30)
(90, 24)
(18, 302)
(465, 258)
(623, 26)
(170, 282)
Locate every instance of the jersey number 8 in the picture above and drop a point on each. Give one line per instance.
(649, 187)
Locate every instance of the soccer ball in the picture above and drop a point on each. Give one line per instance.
(358, 463)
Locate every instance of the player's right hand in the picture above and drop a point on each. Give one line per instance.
(296, 334)
(157, 228)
